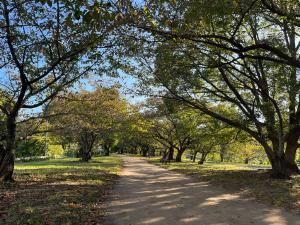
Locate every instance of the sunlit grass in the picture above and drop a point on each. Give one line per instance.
(58, 191)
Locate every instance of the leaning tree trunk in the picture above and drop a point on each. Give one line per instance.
(203, 158)
(7, 157)
(179, 155)
(194, 156)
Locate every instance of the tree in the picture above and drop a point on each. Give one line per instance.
(46, 46)
(209, 135)
(221, 25)
(252, 91)
(240, 55)
(91, 116)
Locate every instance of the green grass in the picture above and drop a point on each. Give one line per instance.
(243, 178)
(58, 191)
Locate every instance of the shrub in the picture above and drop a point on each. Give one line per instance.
(31, 147)
(55, 151)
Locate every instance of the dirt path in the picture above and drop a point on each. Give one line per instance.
(148, 194)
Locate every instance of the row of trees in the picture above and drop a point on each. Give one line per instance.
(100, 120)
(242, 55)
(236, 62)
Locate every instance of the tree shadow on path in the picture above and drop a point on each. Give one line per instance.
(148, 194)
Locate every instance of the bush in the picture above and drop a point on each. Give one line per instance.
(55, 151)
(31, 147)
(71, 150)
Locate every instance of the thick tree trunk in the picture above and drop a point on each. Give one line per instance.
(279, 170)
(283, 162)
(290, 154)
(86, 156)
(179, 155)
(86, 145)
(171, 153)
(282, 168)
(86, 152)
(7, 157)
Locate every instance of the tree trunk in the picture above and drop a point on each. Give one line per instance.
(179, 155)
(107, 150)
(194, 156)
(86, 152)
(86, 156)
(7, 157)
(290, 154)
(222, 152)
(282, 169)
(279, 169)
(203, 158)
(87, 143)
(283, 162)
(221, 158)
(135, 150)
(145, 151)
(164, 156)
(171, 153)
(246, 161)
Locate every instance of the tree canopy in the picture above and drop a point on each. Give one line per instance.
(210, 72)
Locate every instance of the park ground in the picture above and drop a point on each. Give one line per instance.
(149, 194)
(250, 180)
(67, 191)
(58, 191)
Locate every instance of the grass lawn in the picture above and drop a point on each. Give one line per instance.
(241, 177)
(58, 191)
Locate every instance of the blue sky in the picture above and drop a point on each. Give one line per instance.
(128, 85)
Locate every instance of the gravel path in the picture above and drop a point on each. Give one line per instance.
(148, 194)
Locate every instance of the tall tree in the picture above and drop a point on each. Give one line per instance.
(46, 46)
(242, 55)
(88, 117)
